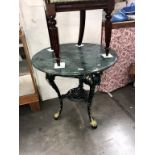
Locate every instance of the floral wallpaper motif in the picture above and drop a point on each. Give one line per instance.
(123, 42)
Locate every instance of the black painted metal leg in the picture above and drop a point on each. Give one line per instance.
(81, 83)
(92, 80)
(93, 122)
(51, 79)
(82, 26)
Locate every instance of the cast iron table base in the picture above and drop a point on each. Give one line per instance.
(78, 93)
(85, 63)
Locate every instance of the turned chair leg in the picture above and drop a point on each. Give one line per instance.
(108, 29)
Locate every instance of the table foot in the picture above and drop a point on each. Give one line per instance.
(93, 123)
(57, 115)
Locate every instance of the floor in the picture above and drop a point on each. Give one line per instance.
(72, 135)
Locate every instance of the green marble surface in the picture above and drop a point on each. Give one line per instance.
(78, 60)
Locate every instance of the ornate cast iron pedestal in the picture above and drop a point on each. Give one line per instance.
(78, 93)
(85, 63)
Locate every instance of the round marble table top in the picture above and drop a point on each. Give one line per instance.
(78, 60)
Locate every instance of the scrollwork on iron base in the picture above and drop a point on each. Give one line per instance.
(92, 79)
(76, 94)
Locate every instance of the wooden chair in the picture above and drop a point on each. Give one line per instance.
(54, 6)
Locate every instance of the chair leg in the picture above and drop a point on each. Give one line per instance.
(82, 26)
(108, 29)
(53, 31)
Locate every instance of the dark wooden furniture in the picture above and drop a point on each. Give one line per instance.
(30, 98)
(125, 24)
(117, 25)
(54, 6)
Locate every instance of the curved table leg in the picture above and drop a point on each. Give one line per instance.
(93, 122)
(82, 26)
(51, 79)
(92, 80)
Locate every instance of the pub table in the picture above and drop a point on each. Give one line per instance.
(83, 62)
